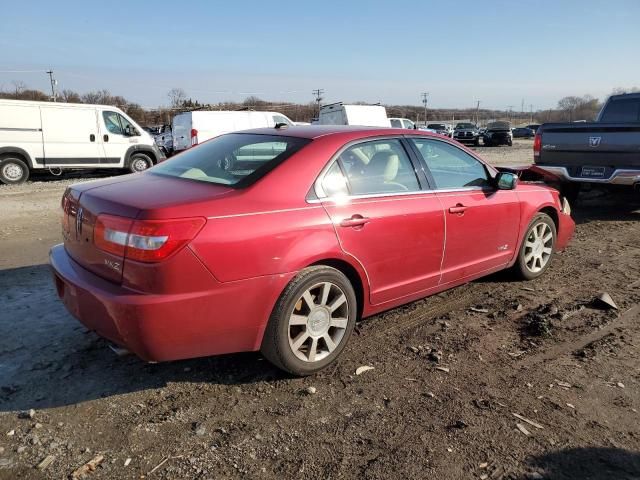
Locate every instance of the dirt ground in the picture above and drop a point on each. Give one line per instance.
(451, 372)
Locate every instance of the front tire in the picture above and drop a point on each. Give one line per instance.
(139, 162)
(537, 247)
(311, 321)
(13, 170)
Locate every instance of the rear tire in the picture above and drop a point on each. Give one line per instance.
(13, 170)
(139, 162)
(538, 246)
(311, 322)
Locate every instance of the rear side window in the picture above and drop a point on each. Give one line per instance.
(237, 160)
(622, 110)
(395, 123)
(451, 167)
(380, 166)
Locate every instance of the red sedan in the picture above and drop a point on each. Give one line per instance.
(279, 239)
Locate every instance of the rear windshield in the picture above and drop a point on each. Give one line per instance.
(620, 111)
(436, 126)
(235, 159)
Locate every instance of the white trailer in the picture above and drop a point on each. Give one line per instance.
(364, 115)
(191, 128)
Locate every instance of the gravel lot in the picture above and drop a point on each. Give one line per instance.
(450, 373)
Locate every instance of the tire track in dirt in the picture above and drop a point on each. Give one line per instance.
(624, 320)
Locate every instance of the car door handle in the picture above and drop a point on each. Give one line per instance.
(92, 138)
(354, 221)
(105, 138)
(459, 209)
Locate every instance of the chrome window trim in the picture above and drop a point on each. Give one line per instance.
(322, 197)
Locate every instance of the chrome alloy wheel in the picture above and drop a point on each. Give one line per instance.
(318, 322)
(538, 247)
(12, 172)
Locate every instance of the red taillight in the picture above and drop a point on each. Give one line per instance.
(144, 240)
(194, 137)
(65, 212)
(537, 145)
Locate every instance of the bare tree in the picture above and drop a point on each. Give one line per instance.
(69, 96)
(177, 97)
(18, 87)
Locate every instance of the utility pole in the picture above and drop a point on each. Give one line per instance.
(425, 101)
(510, 107)
(477, 112)
(318, 94)
(531, 110)
(54, 82)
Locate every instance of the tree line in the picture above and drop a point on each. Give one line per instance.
(569, 109)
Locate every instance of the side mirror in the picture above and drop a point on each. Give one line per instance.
(506, 181)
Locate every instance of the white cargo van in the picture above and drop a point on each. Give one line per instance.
(365, 115)
(191, 128)
(57, 136)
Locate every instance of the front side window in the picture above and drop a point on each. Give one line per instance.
(280, 119)
(112, 122)
(450, 166)
(117, 124)
(380, 166)
(234, 159)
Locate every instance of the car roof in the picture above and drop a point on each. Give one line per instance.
(316, 131)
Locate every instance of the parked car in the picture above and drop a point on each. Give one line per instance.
(314, 228)
(604, 152)
(191, 128)
(441, 129)
(534, 126)
(467, 132)
(361, 115)
(523, 132)
(497, 133)
(60, 136)
(402, 123)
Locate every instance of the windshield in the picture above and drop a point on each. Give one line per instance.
(436, 126)
(465, 125)
(235, 159)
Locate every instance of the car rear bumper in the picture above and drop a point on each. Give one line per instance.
(230, 318)
(629, 177)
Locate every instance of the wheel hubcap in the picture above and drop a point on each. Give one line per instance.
(12, 171)
(140, 165)
(318, 322)
(538, 247)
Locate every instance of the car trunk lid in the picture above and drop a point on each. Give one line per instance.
(128, 197)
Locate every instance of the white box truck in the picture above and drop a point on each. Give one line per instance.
(364, 115)
(191, 128)
(57, 136)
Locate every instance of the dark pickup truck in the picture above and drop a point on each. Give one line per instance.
(605, 152)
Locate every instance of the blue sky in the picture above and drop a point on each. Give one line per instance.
(499, 52)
